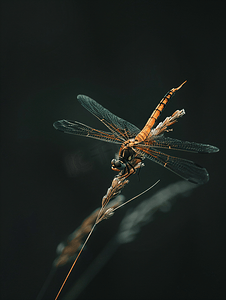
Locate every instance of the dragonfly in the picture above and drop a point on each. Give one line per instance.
(136, 144)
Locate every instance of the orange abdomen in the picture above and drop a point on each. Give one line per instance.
(156, 113)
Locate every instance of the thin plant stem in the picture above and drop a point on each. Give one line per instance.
(137, 195)
(68, 274)
(98, 219)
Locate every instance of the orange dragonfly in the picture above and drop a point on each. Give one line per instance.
(140, 144)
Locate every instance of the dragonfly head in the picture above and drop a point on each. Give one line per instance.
(126, 154)
(117, 165)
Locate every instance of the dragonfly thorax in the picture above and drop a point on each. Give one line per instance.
(126, 152)
(128, 143)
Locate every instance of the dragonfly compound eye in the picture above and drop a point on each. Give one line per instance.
(117, 164)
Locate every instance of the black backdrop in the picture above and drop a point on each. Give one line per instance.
(126, 55)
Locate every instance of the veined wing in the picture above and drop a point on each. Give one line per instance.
(120, 128)
(74, 127)
(169, 143)
(187, 169)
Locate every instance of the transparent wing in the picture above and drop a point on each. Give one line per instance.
(185, 168)
(169, 143)
(122, 129)
(74, 127)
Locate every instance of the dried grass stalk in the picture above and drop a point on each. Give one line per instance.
(105, 212)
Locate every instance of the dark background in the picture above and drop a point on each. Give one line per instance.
(126, 55)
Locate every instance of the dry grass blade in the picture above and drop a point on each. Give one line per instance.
(137, 195)
(129, 228)
(76, 240)
(162, 126)
(106, 211)
(68, 274)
